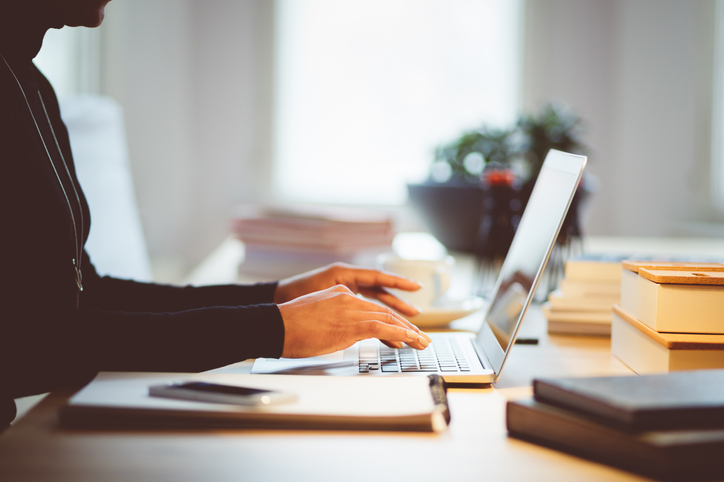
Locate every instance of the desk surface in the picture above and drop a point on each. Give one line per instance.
(475, 447)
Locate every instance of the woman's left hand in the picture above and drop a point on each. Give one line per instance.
(370, 283)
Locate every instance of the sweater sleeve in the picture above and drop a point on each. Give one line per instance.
(107, 293)
(50, 347)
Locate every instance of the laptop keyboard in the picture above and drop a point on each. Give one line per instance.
(444, 355)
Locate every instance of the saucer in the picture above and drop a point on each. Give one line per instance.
(451, 310)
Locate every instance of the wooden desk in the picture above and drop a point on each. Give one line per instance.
(475, 447)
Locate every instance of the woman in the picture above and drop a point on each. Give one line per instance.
(61, 322)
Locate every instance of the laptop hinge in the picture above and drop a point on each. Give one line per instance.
(481, 356)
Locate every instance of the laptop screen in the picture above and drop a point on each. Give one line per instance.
(531, 247)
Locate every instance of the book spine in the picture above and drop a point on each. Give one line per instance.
(567, 398)
(557, 430)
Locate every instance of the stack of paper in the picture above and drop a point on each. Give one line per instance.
(583, 302)
(283, 241)
(670, 316)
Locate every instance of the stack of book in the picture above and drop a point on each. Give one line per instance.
(582, 304)
(666, 426)
(670, 316)
(283, 241)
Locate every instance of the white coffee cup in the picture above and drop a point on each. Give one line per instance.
(432, 274)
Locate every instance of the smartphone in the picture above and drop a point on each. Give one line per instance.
(216, 393)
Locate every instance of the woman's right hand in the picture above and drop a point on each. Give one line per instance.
(334, 319)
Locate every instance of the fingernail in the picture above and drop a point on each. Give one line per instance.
(412, 334)
(423, 342)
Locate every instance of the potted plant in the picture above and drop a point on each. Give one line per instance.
(479, 183)
(452, 200)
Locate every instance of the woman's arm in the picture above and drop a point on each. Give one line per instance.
(108, 293)
(49, 347)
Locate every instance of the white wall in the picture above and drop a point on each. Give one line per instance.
(194, 79)
(639, 73)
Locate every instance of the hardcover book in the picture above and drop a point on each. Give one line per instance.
(664, 455)
(680, 400)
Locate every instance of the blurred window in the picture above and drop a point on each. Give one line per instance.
(365, 90)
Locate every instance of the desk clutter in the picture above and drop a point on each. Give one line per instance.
(282, 241)
(669, 301)
(670, 316)
(666, 426)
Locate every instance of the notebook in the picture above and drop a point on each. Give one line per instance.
(467, 357)
(122, 400)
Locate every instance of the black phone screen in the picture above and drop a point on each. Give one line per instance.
(216, 388)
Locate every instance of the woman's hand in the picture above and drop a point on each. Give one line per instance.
(334, 319)
(370, 283)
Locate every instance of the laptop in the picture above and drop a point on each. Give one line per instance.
(466, 357)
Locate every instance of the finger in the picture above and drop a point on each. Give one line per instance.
(363, 310)
(382, 314)
(372, 277)
(392, 317)
(421, 340)
(406, 323)
(391, 333)
(392, 344)
(391, 300)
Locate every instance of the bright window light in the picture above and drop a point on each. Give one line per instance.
(365, 90)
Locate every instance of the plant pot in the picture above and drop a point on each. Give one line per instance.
(451, 212)
(482, 220)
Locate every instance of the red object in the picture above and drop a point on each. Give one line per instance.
(499, 177)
